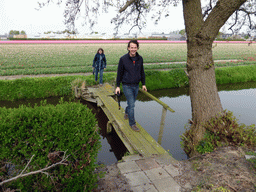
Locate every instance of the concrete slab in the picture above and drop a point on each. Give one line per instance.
(165, 159)
(147, 164)
(112, 171)
(145, 188)
(128, 167)
(157, 173)
(137, 178)
(132, 157)
(173, 171)
(167, 185)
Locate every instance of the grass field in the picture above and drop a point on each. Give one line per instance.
(23, 59)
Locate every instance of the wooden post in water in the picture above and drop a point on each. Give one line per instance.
(161, 131)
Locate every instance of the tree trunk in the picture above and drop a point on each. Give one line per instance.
(205, 101)
(203, 91)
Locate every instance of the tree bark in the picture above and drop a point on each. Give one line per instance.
(205, 101)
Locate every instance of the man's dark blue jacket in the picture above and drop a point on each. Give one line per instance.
(129, 71)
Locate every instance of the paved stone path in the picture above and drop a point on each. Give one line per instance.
(154, 174)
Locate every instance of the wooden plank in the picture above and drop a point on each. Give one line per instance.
(108, 89)
(123, 139)
(93, 91)
(124, 127)
(126, 142)
(89, 99)
(99, 102)
(152, 141)
(143, 135)
(142, 141)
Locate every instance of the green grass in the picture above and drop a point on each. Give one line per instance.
(25, 59)
(26, 88)
(252, 160)
(236, 74)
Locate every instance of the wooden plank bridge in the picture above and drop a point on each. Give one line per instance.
(136, 142)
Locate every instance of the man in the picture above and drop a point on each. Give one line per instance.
(130, 73)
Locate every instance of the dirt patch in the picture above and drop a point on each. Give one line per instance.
(112, 181)
(225, 169)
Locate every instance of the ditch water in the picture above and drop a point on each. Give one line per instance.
(239, 98)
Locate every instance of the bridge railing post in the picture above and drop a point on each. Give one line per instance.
(162, 123)
(164, 111)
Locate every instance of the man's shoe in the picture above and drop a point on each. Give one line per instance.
(135, 128)
(125, 116)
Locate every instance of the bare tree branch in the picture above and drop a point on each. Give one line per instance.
(26, 165)
(62, 162)
(248, 14)
(218, 17)
(207, 9)
(128, 3)
(230, 28)
(134, 12)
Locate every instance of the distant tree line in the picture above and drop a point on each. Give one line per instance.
(61, 32)
(14, 32)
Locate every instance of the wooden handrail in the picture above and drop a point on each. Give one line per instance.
(157, 100)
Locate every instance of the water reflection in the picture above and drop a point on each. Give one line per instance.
(148, 113)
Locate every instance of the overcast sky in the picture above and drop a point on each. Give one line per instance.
(22, 15)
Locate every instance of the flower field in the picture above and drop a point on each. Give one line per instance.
(52, 58)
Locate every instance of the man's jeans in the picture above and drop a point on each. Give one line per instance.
(101, 75)
(130, 92)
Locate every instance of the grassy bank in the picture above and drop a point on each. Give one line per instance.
(27, 88)
(235, 74)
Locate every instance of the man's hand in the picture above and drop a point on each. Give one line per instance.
(117, 90)
(144, 88)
